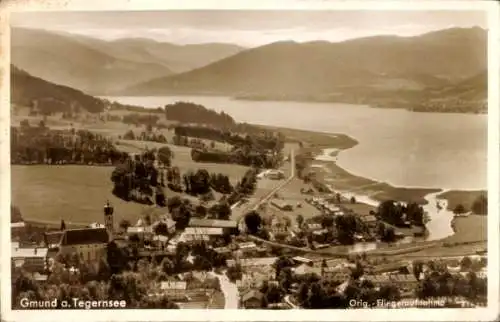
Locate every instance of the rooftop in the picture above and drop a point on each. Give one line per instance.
(53, 238)
(197, 222)
(85, 236)
(251, 294)
(29, 252)
(203, 231)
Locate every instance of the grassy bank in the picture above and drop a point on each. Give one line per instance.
(465, 198)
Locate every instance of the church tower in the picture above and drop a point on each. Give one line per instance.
(108, 219)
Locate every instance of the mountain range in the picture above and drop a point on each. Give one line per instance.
(444, 70)
(100, 67)
(323, 70)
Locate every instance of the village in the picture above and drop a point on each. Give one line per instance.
(230, 263)
(228, 221)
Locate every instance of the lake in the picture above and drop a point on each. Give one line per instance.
(432, 150)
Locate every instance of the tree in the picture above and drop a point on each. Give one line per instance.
(480, 205)
(253, 221)
(129, 135)
(116, 258)
(165, 156)
(353, 200)
(417, 269)
(167, 266)
(389, 292)
(389, 235)
(234, 273)
(15, 214)
(124, 224)
(327, 221)
(459, 209)
(161, 229)
(300, 220)
(63, 225)
(466, 263)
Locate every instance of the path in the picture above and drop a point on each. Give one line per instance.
(289, 302)
(230, 291)
(239, 212)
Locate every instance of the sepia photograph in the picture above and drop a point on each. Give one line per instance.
(222, 159)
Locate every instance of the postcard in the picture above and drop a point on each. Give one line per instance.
(302, 160)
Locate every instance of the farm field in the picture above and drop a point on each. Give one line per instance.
(72, 193)
(77, 193)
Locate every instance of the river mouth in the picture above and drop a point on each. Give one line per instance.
(440, 218)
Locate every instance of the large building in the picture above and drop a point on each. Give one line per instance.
(88, 243)
(29, 259)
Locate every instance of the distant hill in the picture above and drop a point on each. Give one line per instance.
(177, 58)
(64, 61)
(101, 67)
(25, 89)
(326, 71)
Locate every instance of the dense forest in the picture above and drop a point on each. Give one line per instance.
(186, 112)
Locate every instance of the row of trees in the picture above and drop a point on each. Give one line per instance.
(266, 141)
(43, 145)
(140, 119)
(479, 206)
(254, 159)
(145, 136)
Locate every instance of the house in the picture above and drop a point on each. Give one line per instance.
(370, 220)
(336, 274)
(275, 174)
(403, 281)
(302, 260)
(17, 229)
(278, 225)
(390, 267)
(89, 243)
(197, 222)
(141, 231)
(228, 226)
(247, 247)
(209, 231)
(282, 205)
(248, 262)
(30, 259)
(168, 222)
(278, 306)
(252, 299)
(314, 226)
(52, 240)
(305, 269)
(222, 250)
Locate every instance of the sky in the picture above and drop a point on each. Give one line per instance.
(247, 28)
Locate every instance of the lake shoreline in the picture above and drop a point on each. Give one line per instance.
(294, 100)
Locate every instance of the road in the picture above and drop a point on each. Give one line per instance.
(289, 302)
(230, 291)
(238, 213)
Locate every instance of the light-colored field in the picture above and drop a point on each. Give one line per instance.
(182, 159)
(467, 229)
(72, 193)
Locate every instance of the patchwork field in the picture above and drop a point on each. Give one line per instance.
(78, 193)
